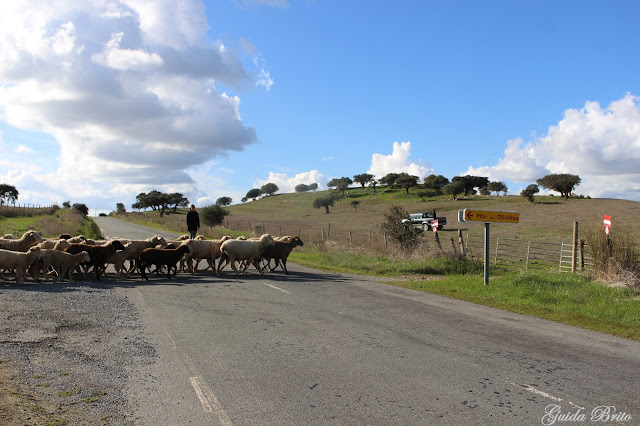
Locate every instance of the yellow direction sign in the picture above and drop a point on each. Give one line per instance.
(468, 215)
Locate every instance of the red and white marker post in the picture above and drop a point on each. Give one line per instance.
(607, 224)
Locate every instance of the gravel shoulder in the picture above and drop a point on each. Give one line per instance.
(67, 352)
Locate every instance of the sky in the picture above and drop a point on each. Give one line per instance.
(101, 100)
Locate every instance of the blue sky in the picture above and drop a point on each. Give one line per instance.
(102, 100)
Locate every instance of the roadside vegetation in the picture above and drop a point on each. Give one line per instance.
(51, 224)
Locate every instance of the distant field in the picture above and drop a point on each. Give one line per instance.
(549, 219)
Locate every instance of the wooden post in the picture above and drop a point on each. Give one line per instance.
(461, 242)
(438, 241)
(350, 238)
(322, 232)
(453, 245)
(582, 255)
(329, 231)
(575, 247)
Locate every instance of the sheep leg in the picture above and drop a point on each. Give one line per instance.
(256, 263)
(143, 268)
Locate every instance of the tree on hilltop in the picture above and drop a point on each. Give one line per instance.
(269, 189)
(497, 187)
(363, 179)
(8, 194)
(563, 183)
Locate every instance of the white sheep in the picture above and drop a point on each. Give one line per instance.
(118, 260)
(28, 239)
(63, 263)
(248, 251)
(203, 249)
(37, 266)
(18, 261)
(51, 244)
(76, 239)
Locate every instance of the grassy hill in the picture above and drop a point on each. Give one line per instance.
(549, 219)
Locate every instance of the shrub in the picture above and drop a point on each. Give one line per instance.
(615, 259)
(407, 236)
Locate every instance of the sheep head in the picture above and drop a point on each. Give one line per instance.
(267, 240)
(296, 241)
(117, 245)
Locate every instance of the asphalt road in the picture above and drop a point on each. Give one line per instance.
(314, 348)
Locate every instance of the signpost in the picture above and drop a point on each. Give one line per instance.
(487, 216)
(607, 224)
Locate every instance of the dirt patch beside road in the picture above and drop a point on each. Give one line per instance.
(66, 353)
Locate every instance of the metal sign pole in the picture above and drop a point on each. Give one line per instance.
(486, 254)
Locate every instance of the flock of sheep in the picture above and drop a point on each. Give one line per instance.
(62, 257)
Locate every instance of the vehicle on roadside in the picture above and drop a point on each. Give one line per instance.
(423, 220)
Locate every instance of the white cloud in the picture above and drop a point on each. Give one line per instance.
(22, 149)
(398, 162)
(601, 145)
(287, 184)
(128, 89)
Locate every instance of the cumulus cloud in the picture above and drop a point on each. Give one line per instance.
(288, 183)
(601, 145)
(128, 89)
(398, 162)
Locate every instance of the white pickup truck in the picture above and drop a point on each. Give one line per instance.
(423, 220)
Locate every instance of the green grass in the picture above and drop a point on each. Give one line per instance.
(63, 221)
(338, 261)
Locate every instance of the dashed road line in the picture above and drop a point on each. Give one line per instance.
(544, 394)
(277, 288)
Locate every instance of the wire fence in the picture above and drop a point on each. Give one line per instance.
(521, 255)
(24, 209)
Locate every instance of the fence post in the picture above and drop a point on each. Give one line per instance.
(350, 238)
(461, 242)
(329, 231)
(581, 255)
(575, 246)
(322, 232)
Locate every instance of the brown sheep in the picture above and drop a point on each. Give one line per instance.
(100, 255)
(280, 252)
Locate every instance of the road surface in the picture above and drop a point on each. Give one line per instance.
(314, 348)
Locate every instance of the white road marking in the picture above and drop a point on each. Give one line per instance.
(277, 288)
(544, 394)
(209, 401)
(204, 393)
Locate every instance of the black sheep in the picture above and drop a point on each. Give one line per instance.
(161, 257)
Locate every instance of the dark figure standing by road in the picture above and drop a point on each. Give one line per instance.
(193, 221)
